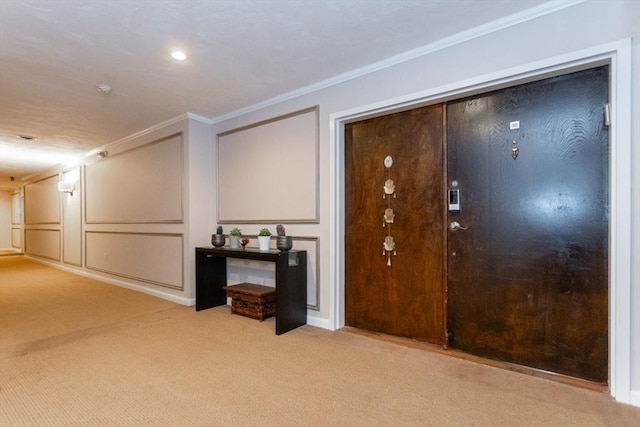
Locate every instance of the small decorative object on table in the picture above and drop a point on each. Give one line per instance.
(234, 238)
(244, 242)
(218, 239)
(264, 237)
(283, 242)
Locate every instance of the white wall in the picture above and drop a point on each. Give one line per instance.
(452, 64)
(199, 194)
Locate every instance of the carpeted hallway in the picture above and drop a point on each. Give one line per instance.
(76, 352)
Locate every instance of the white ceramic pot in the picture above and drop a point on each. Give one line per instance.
(234, 242)
(263, 241)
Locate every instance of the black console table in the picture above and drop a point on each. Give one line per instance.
(291, 281)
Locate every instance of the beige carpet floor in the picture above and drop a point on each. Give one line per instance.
(76, 352)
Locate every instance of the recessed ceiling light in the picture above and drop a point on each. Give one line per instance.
(178, 55)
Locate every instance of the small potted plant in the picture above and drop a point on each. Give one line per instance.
(283, 242)
(264, 237)
(234, 238)
(217, 239)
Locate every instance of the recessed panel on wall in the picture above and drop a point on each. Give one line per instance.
(16, 237)
(72, 221)
(42, 202)
(311, 245)
(142, 185)
(148, 257)
(268, 172)
(16, 209)
(43, 243)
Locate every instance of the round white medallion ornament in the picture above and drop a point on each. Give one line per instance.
(388, 162)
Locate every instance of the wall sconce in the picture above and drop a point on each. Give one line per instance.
(67, 187)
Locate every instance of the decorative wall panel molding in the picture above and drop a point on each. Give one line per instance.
(263, 272)
(16, 237)
(141, 185)
(42, 202)
(268, 171)
(43, 243)
(16, 209)
(312, 246)
(155, 258)
(72, 220)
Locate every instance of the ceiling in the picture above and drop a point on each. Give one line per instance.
(53, 54)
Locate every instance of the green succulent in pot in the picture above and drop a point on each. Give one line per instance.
(264, 232)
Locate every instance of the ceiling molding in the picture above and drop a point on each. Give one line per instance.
(465, 36)
(200, 118)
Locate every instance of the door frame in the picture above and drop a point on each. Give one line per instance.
(618, 56)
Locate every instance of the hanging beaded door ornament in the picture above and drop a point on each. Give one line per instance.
(388, 217)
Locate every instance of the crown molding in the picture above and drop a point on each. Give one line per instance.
(199, 118)
(459, 38)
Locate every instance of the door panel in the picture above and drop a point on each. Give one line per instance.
(405, 298)
(528, 279)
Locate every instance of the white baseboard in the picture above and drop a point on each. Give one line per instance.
(311, 320)
(634, 398)
(154, 292)
(318, 322)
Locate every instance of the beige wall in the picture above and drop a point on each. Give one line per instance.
(128, 220)
(16, 221)
(140, 185)
(43, 242)
(5, 219)
(42, 202)
(42, 214)
(72, 220)
(146, 257)
(131, 197)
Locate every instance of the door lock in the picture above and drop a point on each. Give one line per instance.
(454, 199)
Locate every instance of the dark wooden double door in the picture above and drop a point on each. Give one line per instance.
(525, 277)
